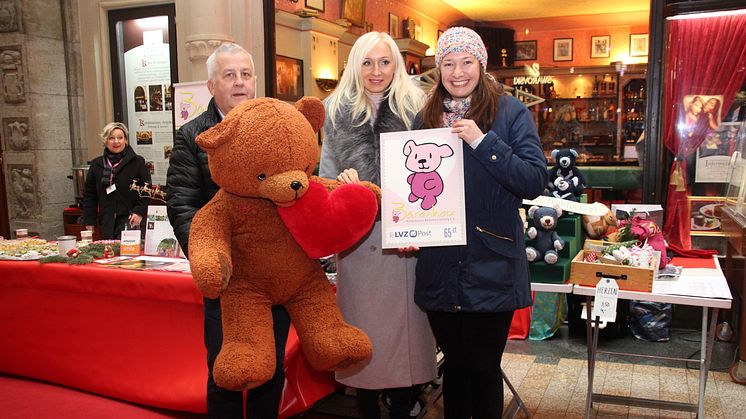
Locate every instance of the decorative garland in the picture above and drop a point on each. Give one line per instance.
(86, 254)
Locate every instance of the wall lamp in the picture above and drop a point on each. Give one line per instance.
(327, 85)
(620, 66)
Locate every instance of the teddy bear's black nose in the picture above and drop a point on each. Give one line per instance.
(295, 185)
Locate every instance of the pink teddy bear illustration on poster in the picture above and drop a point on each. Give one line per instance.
(425, 183)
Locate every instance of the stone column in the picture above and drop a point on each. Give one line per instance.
(35, 115)
(209, 26)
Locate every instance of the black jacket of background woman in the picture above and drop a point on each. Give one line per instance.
(113, 210)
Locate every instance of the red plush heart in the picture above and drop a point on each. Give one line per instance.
(324, 223)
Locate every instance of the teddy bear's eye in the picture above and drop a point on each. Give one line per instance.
(261, 176)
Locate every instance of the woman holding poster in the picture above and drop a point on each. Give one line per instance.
(375, 287)
(470, 292)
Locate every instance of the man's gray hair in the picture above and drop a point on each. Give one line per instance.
(225, 48)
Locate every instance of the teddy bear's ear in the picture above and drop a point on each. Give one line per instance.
(554, 154)
(214, 137)
(559, 210)
(532, 210)
(313, 110)
(408, 146)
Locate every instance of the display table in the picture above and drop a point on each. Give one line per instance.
(131, 335)
(702, 284)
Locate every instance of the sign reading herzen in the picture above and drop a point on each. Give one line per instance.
(422, 182)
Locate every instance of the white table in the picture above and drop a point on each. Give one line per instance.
(560, 288)
(718, 297)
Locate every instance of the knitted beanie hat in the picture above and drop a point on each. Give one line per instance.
(460, 39)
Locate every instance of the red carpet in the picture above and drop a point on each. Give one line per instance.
(22, 398)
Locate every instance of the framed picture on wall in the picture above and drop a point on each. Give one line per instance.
(562, 49)
(525, 50)
(638, 44)
(354, 11)
(394, 25)
(600, 46)
(706, 212)
(315, 5)
(289, 78)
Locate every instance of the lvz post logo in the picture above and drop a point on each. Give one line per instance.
(407, 234)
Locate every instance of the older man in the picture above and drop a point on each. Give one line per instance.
(231, 81)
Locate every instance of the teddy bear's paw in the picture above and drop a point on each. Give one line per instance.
(239, 366)
(211, 273)
(551, 257)
(531, 254)
(339, 348)
(428, 202)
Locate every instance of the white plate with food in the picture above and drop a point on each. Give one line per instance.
(702, 223)
(712, 210)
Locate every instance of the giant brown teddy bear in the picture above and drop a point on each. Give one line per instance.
(256, 243)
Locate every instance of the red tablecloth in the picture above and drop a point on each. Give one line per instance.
(132, 335)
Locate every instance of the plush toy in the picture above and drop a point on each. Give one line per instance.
(564, 189)
(598, 227)
(564, 167)
(255, 243)
(546, 241)
(522, 214)
(646, 231)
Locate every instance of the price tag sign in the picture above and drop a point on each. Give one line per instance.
(607, 294)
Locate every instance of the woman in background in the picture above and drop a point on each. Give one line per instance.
(108, 198)
(470, 292)
(375, 287)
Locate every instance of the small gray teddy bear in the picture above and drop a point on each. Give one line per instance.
(546, 240)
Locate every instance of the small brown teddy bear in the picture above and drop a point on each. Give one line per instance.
(253, 244)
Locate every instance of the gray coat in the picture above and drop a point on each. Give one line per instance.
(375, 287)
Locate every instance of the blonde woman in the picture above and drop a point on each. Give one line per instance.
(375, 287)
(108, 198)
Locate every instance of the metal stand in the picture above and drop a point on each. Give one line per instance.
(708, 335)
(516, 404)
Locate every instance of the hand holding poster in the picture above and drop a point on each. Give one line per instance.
(422, 182)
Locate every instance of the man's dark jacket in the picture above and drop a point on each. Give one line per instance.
(190, 185)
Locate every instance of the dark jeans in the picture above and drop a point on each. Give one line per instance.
(262, 402)
(472, 345)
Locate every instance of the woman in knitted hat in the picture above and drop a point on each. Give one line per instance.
(470, 292)
(374, 285)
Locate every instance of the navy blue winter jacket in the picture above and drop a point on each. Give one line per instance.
(490, 273)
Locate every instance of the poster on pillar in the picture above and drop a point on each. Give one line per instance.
(150, 100)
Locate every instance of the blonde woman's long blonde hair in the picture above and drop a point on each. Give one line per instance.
(404, 97)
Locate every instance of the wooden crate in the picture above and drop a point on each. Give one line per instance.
(630, 278)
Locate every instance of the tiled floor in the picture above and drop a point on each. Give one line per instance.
(551, 378)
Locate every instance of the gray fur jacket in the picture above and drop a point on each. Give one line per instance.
(349, 146)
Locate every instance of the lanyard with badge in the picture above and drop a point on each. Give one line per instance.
(112, 186)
